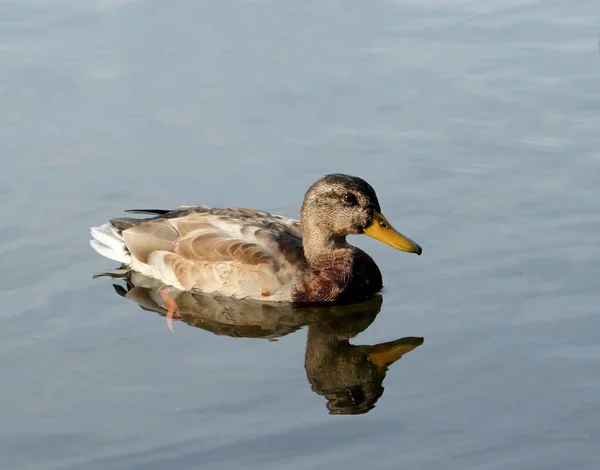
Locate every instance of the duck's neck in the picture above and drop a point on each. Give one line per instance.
(337, 270)
(321, 247)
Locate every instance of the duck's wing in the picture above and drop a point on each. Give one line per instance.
(235, 252)
(239, 215)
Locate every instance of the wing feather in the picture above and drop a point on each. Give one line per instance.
(240, 252)
(145, 238)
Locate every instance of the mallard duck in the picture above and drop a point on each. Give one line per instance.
(248, 253)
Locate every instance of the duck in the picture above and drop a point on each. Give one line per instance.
(253, 254)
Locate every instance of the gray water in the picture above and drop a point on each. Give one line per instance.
(476, 122)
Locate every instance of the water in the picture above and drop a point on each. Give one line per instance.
(476, 122)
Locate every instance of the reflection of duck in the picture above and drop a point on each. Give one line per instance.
(219, 315)
(246, 253)
(349, 377)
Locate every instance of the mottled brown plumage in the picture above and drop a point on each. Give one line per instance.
(247, 253)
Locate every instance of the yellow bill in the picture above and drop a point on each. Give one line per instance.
(380, 229)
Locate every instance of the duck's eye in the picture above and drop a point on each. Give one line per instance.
(350, 199)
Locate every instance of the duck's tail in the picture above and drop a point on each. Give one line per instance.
(108, 241)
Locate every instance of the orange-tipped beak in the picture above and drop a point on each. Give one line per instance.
(380, 229)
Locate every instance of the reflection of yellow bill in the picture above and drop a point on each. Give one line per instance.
(385, 354)
(383, 231)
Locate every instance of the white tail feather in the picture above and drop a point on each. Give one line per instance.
(109, 243)
(106, 235)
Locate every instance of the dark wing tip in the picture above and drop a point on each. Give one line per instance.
(148, 211)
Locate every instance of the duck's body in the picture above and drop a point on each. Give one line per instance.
(248, 253)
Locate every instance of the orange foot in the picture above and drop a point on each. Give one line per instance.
(171, 307)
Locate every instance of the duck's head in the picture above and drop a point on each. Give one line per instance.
(338, 205)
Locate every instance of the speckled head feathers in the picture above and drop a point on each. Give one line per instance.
(338, 185)
(339, 204)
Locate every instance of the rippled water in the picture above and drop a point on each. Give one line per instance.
(477, 123)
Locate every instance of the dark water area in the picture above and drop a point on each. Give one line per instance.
(477, 124)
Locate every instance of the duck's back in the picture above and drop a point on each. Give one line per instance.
(233, 252)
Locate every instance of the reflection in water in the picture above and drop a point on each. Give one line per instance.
(349, 377)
